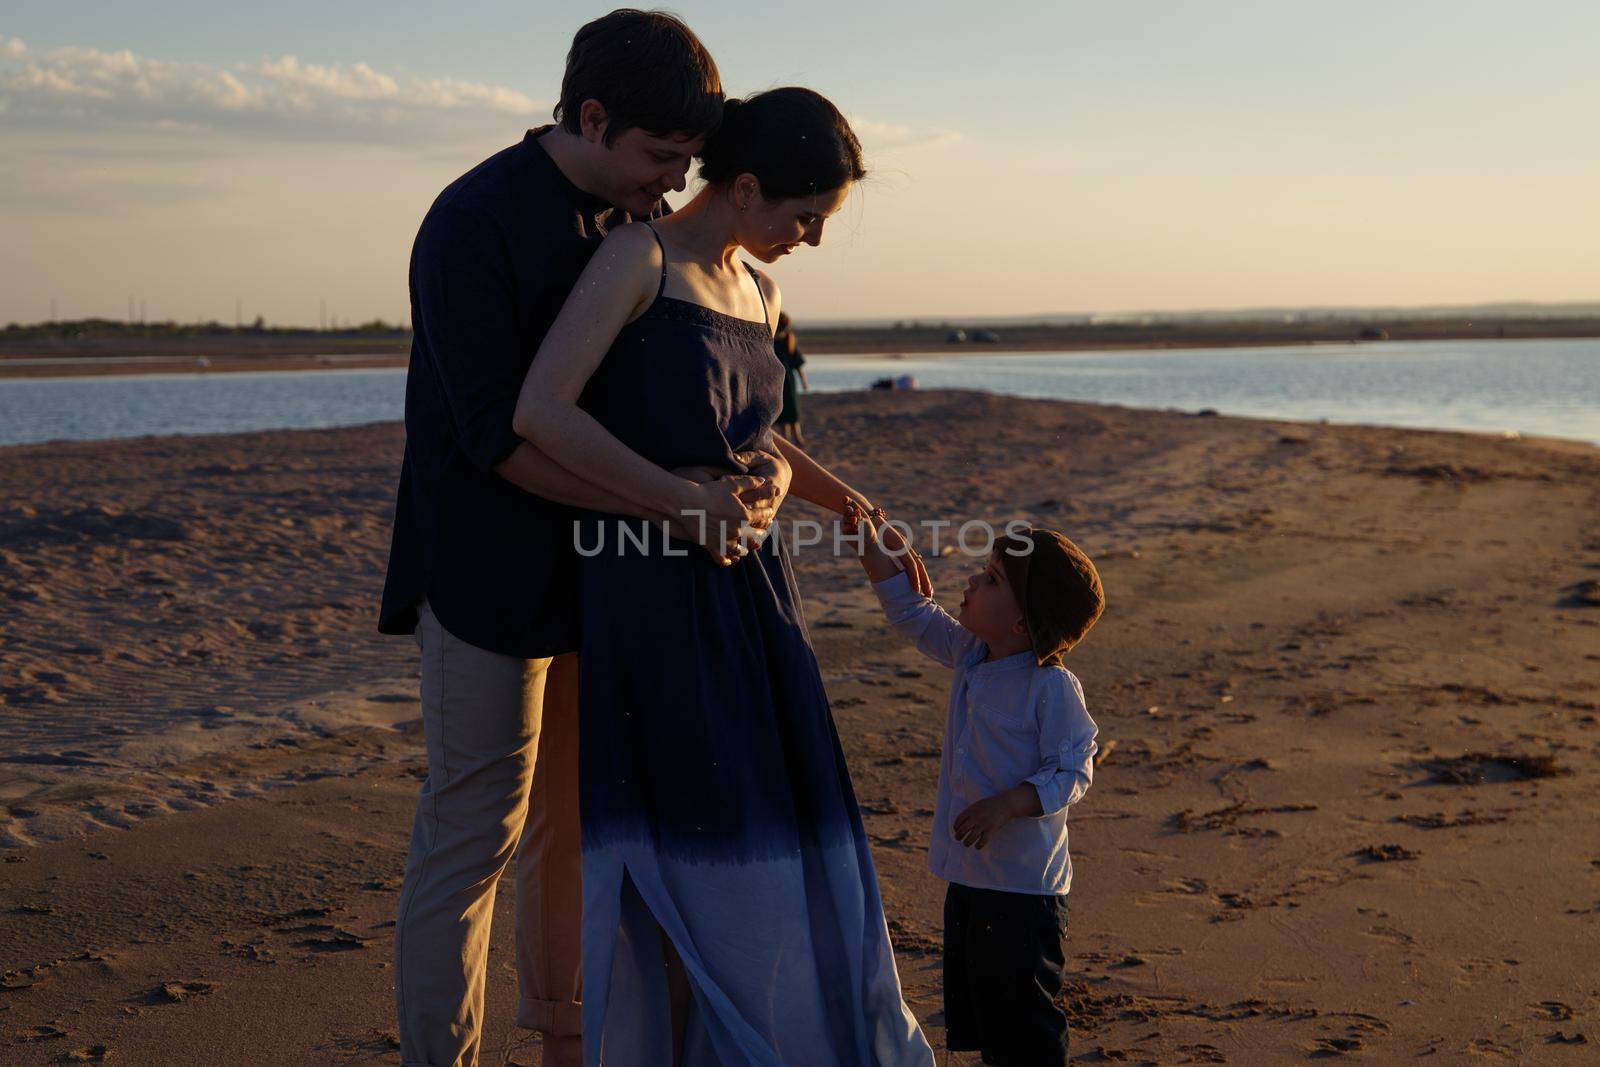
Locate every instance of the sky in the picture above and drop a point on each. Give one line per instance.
(203, 159)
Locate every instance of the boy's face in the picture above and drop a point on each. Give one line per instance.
(990, 608)
(642, 167)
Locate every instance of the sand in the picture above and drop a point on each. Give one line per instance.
(1346, 688)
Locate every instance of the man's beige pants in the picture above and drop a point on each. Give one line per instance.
(502, 737)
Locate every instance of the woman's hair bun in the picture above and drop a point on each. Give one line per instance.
(793, 140)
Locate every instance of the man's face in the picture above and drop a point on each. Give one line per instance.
(642, 167)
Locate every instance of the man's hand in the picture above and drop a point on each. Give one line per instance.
(974, 826)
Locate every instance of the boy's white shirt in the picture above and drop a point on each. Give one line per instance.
(1009, 721)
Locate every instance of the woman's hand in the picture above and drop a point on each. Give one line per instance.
(765, 502)
(761, 500)
(715, 514)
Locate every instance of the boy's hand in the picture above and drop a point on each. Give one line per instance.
(910, 561)
(883, 559)
(874, 560)
(974, 826)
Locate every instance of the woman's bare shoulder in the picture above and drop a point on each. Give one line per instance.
(626, 267)
(633, 242)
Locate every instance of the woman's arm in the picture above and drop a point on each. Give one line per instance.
(810, 480)
(614, 288)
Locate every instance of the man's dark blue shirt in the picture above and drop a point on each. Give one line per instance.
(493, 262)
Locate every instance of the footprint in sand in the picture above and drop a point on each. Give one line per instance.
(1335, 1046)
(178, 992)
(335, 939)
(374, 1042)
(1479, 768)
(1390, 933)
(1384, 854)
(39, 1033)
(1484, 1046)
(1476, 968)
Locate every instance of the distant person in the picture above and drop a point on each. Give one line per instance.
(1019, 749)
(482, 568)
(787, 346)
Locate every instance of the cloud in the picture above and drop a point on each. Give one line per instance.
(277, 98)
(890, 136)
(283, 98)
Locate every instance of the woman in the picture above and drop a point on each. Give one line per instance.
(721, 839)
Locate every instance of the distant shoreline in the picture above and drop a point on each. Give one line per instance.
(221, 354)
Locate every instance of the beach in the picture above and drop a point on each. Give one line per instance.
(1345, 685)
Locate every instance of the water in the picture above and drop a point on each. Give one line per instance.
(102, 408)
(1547, 388)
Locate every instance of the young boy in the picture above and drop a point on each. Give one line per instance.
(1018, 749)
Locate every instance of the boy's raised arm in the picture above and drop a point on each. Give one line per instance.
(936, 634)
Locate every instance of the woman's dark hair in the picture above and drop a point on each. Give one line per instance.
(793, 140)
(647, 69)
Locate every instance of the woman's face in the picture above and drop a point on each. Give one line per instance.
(771, 229)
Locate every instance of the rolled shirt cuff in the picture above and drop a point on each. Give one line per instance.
(896, 590)
(1051, 789)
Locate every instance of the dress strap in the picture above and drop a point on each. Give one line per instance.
(759, 292)
(663, 286)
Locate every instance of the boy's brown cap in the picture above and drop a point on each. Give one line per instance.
(1058, 587)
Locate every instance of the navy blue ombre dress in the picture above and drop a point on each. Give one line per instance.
(716, 804)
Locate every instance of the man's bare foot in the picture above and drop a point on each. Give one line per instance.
(563, 1051)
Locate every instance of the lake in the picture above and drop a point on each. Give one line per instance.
(1546, 388)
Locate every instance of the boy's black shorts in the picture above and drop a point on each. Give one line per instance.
(1004, 958)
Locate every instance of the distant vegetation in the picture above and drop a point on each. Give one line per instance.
(1046, 333)
(114, 329)
(1178, 332)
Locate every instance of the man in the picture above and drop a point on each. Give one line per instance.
(482, 565)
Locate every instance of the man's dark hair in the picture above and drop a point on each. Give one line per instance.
(792, 139)
(647, 69)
